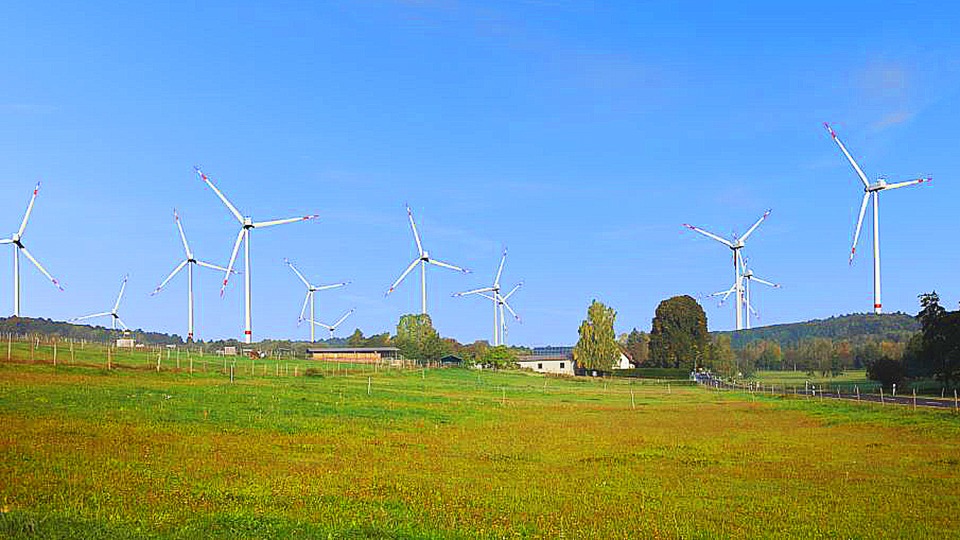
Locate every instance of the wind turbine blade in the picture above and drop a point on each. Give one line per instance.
(448, 265)
(416, 235)
(907, 183)
(343, 318)
(233, 209)
(123, 286)
(297, 272)
(85, 317)
(183, 237)
(856, 234)
(124, 326)
(331, 286)
(233, 257)
(403, 275)
(513, 290)
(318, 323)
(709, 235)
(755, 225)
(263, 224)
(765, 282)
(475, 291)
(487, 296)
(26, 216)
(863, 177)
(510, 309)
(503, 259)
(306, 300)
(40, 267)
(6, 241)
(164, 282)
(214, 267)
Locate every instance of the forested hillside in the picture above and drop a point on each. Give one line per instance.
(857, 329)
(47, 327)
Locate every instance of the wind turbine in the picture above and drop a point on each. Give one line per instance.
(17, 241)
(112, 313)
(332, 327)
(311, 289)
(189, 262)
(747, 276)
(735, 245)
(871, 191)
(499, 302)
(423, 259)
(246, 225)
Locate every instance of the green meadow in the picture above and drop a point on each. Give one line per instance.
(280, 451)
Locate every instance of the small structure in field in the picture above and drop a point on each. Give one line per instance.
(451, 360)
(126, 343)
(557, 360)
(356, 355)
(229, 351)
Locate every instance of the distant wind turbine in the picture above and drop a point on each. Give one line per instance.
(246, 225)
(311, 297)
(735, 245)
(113, 312)
(189, 262)
(871, 190)
(499, 302)
(17, 241)
(332, 327)
(423, 259)
(747, 276)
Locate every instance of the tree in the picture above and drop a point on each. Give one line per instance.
(499, 357)
(721, 358)
(637, 345)
(417, 339)
(597, 347)
(356, 339)
(679, 336)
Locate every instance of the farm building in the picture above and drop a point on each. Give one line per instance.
(360, 355)
(547, 364)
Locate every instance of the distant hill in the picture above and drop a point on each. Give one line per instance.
(47, 327)
(856, 328)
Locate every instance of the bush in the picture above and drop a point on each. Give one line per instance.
(886, 371)
(652, 373)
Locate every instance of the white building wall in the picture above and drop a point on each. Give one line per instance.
(557, 366)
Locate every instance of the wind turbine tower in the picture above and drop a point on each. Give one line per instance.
(423, 259)
(311, 298)
(246, 225)
(735, 245)
(17, 241)
(748, 277)
(189, 262)
(871, 191)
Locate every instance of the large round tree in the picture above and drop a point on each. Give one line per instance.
(679, 336)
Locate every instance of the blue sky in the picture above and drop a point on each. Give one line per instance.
(578, 134)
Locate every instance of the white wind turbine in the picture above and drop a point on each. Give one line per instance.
(871, 190)
(332, 327)
(189, 262)
(748, 276)
(735, 245)
(17, 241)
(311, 298)
(423, 259)
(246, 225)
(112, 313)
(499, 302)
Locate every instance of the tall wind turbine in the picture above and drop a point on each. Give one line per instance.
(748, 277)
(113, 312)
(189, 262)
(499, 301)
(17, 241)
(871, 191)
(423, 259)
(735, 245)
(332, 327)
(311, 298)
(246, 225)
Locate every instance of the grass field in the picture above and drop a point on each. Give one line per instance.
(136, 453)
